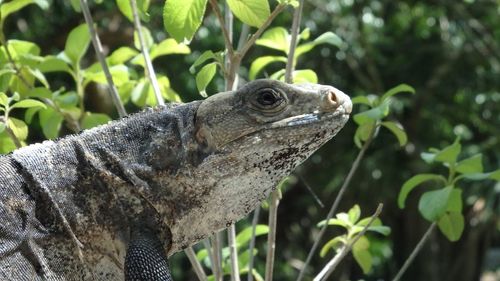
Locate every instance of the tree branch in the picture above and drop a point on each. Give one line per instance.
(271, 236)
(290, 65)
(415, 252)
(335, 204)
(100, 56)
(198, 269)
(150, 72)
(255, 220)
(225, 33)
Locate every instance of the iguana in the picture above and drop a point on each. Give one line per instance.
(114, 201)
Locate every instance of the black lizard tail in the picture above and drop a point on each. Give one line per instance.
(146, 258)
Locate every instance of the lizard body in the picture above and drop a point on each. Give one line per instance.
(68, 207)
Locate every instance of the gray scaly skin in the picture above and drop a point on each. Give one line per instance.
(69, 208)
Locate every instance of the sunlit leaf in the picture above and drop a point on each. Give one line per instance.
(77, 43)
(201, 59)
(354, 213)
(374, 114)
(18, 127)
(53, 64)
(142, 7)
(260, 63)
(363, 133)
(91, 120)
(27, 103)
(245, 235)
(455, 203)
(362, 254)
(167, 47)
(275, 38)
(251, 12)
(413, 182)
(304, 76)
(121, 55)
(182, 18)
(204, 76)
(432, 204)
(332, 244)
(50, 121)
(325, 38)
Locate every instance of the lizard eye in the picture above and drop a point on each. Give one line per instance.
(268, 99)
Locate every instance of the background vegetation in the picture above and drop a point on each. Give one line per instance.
(448, 51)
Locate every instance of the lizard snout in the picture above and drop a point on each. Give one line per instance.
(334, 98)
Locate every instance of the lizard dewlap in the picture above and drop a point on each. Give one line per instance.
(71, 208)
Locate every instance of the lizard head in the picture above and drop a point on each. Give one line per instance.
(268, 108)
(249, 139)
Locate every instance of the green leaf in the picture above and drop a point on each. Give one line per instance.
(121, 55)
(304, 76)
(119, 73)
(77, 43)
(452, 225)
(6, 144)
(50, 122)
(362, 100)
(201, 59)
(2, 127)
(362, 255)
(251, 12)
(337, 222)
(53, 64)
(450, 153)
(182, 18)
(245, 235)
(455, 203)
(204, 77)
(261, 62)
(414, 181)
(140, 93)
(146, 35)
(363, 133)
(76, 5)
(397, 130)
(495, 175)
(332, 244)
(432, 204)
(18, 48)
(402, 88)
(275, 38)
(354, 213)
(27, 103)
(4, 100)
(167, 92)
(325, 38)
(382, 229)
(13, 6)
(374, 114)
(471, 165)
(18, 127)
(126, 9)
(428, 157)
(91, 120)
(167, 47)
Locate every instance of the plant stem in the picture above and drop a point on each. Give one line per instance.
(290, 65)
(100, 56)
(271, 237)
(332, 264)
(241, 53)
(225, 31)
(216, 248)
(233, 252)
(335, 204)
(198, 269)
(255, 220)
(415, 252)
(149, 70)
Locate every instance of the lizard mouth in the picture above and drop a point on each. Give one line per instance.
(307, 119)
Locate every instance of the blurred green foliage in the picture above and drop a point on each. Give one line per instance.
(447, 50)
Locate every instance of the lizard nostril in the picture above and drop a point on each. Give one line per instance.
(331, 100)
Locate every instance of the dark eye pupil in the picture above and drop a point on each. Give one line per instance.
(267, 98)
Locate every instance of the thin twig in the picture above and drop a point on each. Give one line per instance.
(415, 252)
(251, 259)
(225, 33)
(233, 252)
(198, 269)
(208, 247)
(271, 236)
(335, 204)
(245, 30)
(100, 56)
(150, 72)
(290, 65)
(332, 264)
(241, 53)
(217, 248)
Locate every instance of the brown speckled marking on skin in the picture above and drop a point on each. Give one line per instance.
(187, 170)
